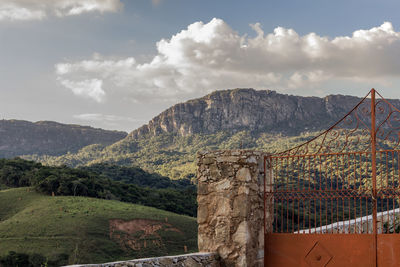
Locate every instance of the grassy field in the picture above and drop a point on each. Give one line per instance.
(78, 228)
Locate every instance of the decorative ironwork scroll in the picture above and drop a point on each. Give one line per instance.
(353, 131)
(388, 124)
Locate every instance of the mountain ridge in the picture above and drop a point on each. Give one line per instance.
(20, 137)
(249, 109)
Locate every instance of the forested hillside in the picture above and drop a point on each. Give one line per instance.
(178, 197)
(50, 138)
(172, 155)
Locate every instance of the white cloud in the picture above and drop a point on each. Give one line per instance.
(104, 117)
(87, 88)
(211, 56)
(13, 10)
(109, 121)
(105, 69)
(10, 11)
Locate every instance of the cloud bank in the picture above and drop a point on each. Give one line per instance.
(110, 121)
(104, 117)
(20, 10)
(209, 56)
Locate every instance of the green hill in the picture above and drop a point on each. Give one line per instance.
(131, 185)
(68, 230)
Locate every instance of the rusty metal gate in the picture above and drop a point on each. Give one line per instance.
(334, 200)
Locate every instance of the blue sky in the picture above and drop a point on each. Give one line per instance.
(116, 64)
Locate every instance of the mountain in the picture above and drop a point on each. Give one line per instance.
(229, 119)
(19, 137)
(250, 110)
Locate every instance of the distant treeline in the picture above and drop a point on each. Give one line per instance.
(128, 184)
(137, 176)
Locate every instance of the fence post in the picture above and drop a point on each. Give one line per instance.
(230, 206)
(373, 162)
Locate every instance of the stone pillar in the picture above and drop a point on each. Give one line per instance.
(230, 212)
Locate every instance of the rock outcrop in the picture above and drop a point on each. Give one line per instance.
(249, 109)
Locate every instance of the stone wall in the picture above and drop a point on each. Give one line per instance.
(230, 212)
(187, 260)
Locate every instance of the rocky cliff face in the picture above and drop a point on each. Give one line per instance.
(51, 138)
(249, 109)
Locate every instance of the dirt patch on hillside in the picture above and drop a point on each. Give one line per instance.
(139, 233)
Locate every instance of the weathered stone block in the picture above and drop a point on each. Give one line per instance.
(222, 235)
(202, 189)
(202, 178)
(223, 207)
(191, 262)
(252, 159)
(215, 173)
(243, 190)
(166, 262)
(227, 170)
(222, 185)
(240, 206)
(244, 174)
(227, 159)
(202, 216)
(207, 161)
(242, 235)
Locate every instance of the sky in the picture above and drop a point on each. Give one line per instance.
(115, 64)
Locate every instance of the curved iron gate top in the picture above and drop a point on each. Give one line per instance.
(344, 181)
